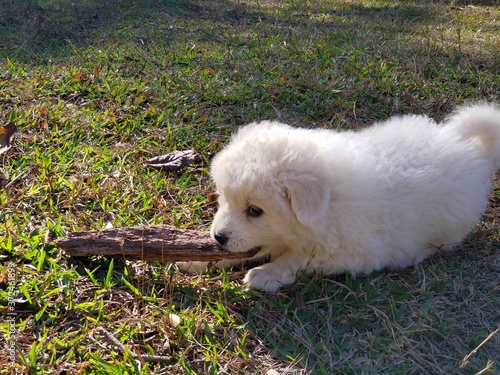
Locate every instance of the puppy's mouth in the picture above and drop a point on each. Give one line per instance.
(242, 254)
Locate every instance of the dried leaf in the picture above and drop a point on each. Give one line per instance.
(4, 178)
(6, 136)
(172, 162)
(81, 76)
(212, 197)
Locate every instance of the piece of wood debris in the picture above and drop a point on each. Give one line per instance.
(172, 162)
(155, 242)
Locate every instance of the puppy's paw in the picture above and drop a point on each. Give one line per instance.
(268, 278)
(195, 268)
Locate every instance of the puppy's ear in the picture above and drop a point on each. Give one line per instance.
(308, 194)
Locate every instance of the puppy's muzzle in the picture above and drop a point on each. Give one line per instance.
(221, 238)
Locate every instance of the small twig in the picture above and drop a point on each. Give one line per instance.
(466, 358)
(156, 358)
(486, 369)
(108, 336)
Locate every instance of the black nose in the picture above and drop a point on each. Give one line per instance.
(221, 238)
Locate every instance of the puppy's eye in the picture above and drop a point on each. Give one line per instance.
(254, 211)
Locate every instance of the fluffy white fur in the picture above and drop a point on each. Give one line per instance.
(387, 196)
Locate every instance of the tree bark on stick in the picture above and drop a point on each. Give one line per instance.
(156, 242)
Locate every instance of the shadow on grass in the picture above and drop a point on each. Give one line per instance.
(44, 29)
(319, 62)
(424, 318)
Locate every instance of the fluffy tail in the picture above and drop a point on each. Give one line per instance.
(480, 121)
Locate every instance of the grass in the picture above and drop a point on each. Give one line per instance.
(97, 87)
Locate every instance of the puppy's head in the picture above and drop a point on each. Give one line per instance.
(271, 187)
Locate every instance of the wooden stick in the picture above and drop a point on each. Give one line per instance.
(108, 336)
(156, 242)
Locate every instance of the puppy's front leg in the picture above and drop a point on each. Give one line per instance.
(272, 276)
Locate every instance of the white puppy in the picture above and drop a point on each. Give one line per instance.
(321, 200)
